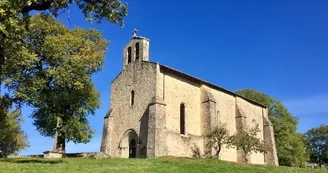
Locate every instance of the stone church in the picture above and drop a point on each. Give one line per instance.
(158, 111)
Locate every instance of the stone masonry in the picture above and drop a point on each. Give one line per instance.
(145, 119)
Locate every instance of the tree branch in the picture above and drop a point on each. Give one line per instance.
(39, 6)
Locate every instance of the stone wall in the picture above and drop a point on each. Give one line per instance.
(176, 91)
(206, 107)
(226, 112)
(254, 117)
(141, 78)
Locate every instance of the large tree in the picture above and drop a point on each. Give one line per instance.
(14, 26)
(316, 140)
(289, 143)
(56, 78)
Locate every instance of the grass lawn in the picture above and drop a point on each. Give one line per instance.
(169, 165)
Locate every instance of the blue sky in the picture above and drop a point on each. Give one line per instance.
(279, 47)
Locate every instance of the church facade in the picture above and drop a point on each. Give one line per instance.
(158, 111)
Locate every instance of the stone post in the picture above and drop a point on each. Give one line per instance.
(56, 135)
(156, 145)
(210, 121)
(107, 134)
(241, 125)
(270, 157)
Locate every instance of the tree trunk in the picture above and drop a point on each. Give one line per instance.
(247, 157)
(218, 152)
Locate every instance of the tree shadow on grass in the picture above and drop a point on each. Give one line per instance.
(45, 161)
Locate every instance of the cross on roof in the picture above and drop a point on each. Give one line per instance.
(135, 32)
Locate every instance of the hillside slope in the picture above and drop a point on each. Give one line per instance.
(165, 165)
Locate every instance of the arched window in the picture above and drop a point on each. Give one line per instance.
(129, 55)
(132, 98)
(182, 119)
(137, 50)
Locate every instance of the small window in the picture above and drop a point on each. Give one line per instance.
(129, 55)
(137, 50)
(132, 97)
(182, 119)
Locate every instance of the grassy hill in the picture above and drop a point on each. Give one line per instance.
(169, 165)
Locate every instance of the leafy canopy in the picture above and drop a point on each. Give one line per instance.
(56, 78)
(316, 140)
(12, 12)
(14, 19)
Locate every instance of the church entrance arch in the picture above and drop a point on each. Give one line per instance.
(128, 144)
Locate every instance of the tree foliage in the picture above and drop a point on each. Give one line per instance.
(289, 143)
(15, 15)
(111, 10)
(12, 138)
(216, 139)
(248, 141)
(316, 140)
(56, 78)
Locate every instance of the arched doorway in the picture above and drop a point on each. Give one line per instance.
(132, 148)
(129, 144)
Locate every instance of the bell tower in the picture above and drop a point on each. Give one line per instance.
(136, 50)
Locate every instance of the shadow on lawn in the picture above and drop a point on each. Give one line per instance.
(33, 161)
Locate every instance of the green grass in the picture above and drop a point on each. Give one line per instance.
(169, 165)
